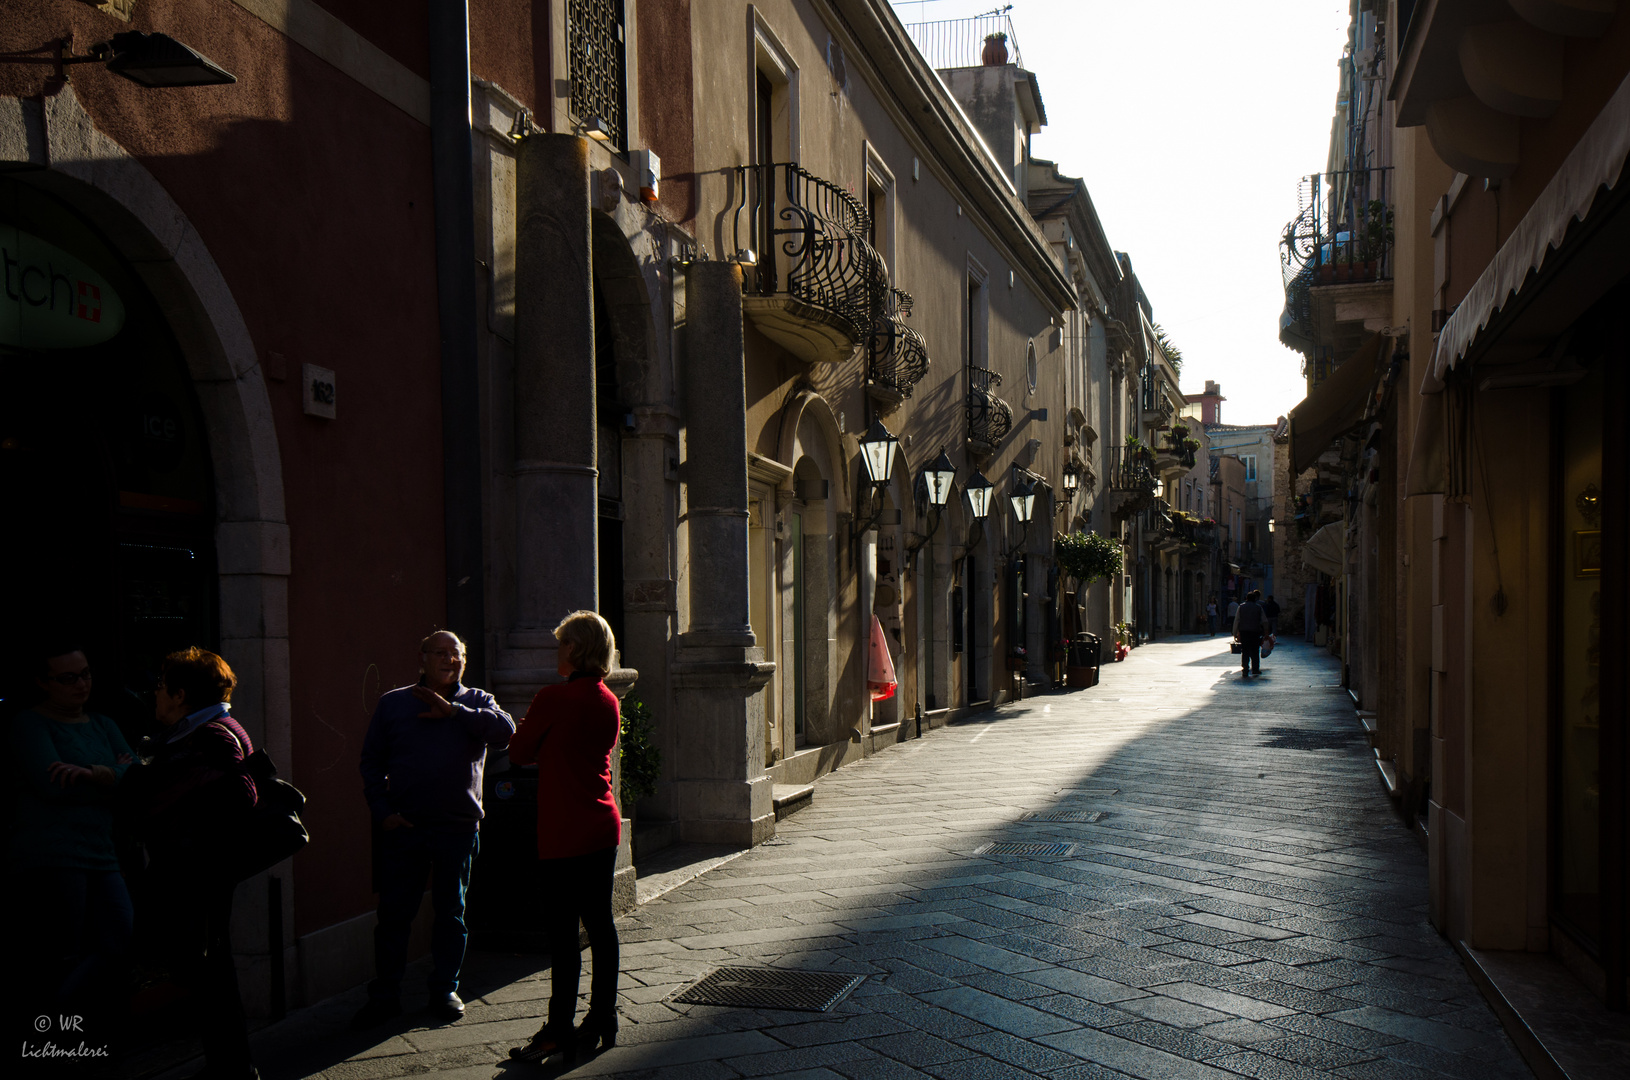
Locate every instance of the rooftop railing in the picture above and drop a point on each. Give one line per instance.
(956, 43)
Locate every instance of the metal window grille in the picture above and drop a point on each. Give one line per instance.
(597, 61)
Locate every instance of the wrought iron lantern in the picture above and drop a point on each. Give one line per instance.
(1023, 500)
(937, 478)
(979, 492)
(878, 450)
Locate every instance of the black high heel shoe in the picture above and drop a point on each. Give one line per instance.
(598, 1030)
(545, 1044)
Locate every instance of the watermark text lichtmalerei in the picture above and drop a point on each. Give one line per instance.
(50, 1048)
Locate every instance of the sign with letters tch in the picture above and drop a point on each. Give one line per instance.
(50, 299)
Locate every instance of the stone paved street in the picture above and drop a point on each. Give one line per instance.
(1240, 900)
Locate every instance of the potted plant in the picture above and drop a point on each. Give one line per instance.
(995, 53)
(1375, 237)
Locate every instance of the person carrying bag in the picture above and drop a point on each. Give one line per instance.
(1249, 623)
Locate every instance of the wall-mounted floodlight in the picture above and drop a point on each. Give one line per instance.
(158, 60)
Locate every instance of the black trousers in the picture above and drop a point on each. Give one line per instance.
(1250, 651)
(192, 911)
(579, 889)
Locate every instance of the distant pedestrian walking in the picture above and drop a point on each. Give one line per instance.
(1211, 619)
(571, 731)
(1249, 623)
(422, 765)
(1271, 610)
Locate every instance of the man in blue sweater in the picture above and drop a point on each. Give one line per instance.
(421, 773)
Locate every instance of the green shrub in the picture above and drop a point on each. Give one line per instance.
(1088, 556)
(641, 758)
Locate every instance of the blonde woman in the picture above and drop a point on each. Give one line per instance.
(570, 732)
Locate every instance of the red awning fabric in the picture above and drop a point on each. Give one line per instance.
(1337, 403)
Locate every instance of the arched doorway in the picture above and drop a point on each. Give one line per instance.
(104, 457)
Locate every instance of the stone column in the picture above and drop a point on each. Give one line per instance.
(719, 670)
(556, 464)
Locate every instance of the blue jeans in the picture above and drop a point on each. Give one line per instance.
(90, 917)
(406, 857)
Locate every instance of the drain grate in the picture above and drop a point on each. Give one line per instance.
(1065, 815)
(1008, 847)
(769, 988)
(1290, 738)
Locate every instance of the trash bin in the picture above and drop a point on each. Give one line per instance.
(1082, 659)
(506, 884)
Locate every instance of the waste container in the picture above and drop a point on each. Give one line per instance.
(1082, 658)
(506, 890)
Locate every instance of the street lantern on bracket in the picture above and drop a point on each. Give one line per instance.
(938, 482)
(1023, 500)
(156, 61)
(1072, 482)
(978, 491)
(879, 450)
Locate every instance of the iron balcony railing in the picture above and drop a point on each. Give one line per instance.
(809, 237)
(955, 43)
(1131, 469)
(1342, 234)
(989, 417)
(899, 355)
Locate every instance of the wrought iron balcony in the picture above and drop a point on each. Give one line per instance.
(818, 286)
(1342, 234)
(989, 417)
(1130, 475)
(899, 355)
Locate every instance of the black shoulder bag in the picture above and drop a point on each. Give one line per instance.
(272, 831)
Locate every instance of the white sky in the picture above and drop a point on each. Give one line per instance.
(1190, 121)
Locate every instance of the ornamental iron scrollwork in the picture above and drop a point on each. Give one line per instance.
(808, 237)
(899, 355)
(989, 417)
(597, 60)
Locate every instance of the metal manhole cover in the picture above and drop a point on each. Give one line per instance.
(1290, 738)
(1065, 815)
(1008, 847)
(769, 988)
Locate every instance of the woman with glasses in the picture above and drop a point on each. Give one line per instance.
(68, 761)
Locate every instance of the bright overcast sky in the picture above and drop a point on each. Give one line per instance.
(1190, 121)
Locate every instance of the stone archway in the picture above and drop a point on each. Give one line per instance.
(56, 147)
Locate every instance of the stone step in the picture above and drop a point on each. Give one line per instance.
(791, 798)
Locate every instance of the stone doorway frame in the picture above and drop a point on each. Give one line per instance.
(54, 145)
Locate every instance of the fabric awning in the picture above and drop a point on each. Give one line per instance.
(1596, 161)
(1323, 550)
(1337, 403)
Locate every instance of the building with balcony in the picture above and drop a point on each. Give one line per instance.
(1461, 466)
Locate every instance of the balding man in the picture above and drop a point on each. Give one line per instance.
(421, 773)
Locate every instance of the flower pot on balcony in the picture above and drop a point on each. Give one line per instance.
(995, 54)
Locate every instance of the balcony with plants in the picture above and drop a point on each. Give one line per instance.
(813, 284)
(1342, 234)
(1177, 450)
(989, 417)
(897, 357)
(1130, 476)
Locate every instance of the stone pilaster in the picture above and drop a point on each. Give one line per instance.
(719, 670)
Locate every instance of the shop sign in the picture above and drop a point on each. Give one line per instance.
(51, 299)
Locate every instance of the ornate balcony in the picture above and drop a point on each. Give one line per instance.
(899, 355)
(989, 417)
(1131, 476)
(1342, 235)
(818, 286)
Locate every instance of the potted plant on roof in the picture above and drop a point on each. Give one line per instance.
(995, 54)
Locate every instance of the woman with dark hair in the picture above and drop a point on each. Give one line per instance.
(68, 761)
(189, 801)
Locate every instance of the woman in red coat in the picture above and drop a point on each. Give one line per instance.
(571, 732)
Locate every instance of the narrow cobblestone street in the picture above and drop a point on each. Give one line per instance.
(1239, 899)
